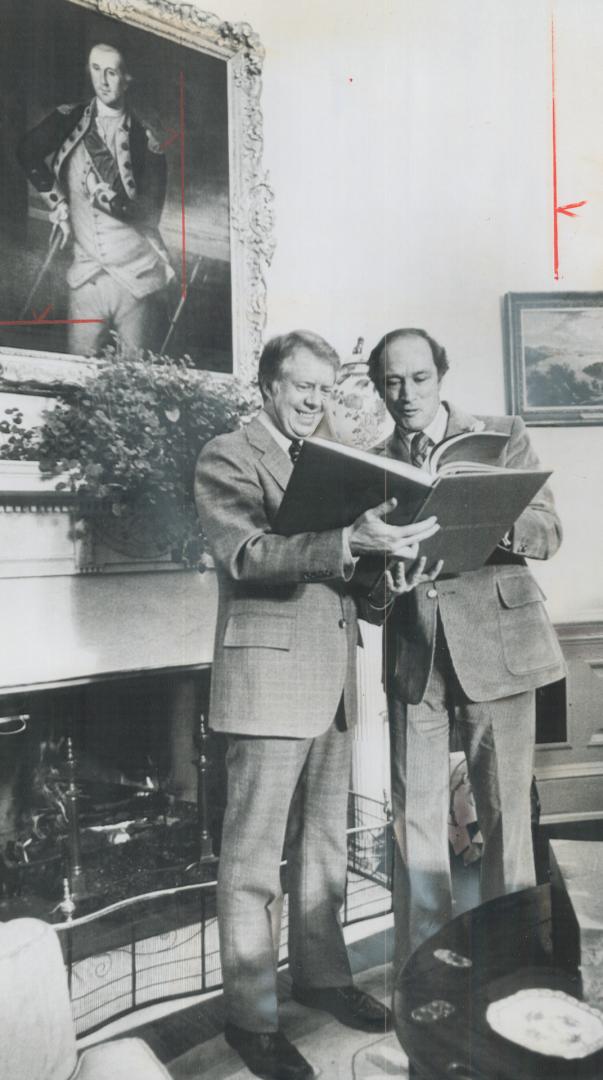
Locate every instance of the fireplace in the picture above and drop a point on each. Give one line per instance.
(104, 670)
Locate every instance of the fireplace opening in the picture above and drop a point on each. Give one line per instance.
(107, 790)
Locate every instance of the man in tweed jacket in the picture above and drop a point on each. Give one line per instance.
(469, 650)
(284, 691)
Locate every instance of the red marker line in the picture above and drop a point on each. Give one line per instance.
(554, 123)
(173, 137)
(567, 209)
(182, 199)
(46, 322)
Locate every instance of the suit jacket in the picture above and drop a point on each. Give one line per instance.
(500, 638)
(286, 634)
(140, 176)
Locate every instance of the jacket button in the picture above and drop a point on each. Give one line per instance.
(342, 624)
(432, 593)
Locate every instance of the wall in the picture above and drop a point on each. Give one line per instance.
(408, 144)
(409, 147)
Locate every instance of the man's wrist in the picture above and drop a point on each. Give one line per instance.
(349, 559)
(507, 540)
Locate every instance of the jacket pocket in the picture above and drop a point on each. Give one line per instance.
(529, 642)
(250, 630)
(515, 590)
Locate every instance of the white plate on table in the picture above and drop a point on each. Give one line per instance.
(548, 1022)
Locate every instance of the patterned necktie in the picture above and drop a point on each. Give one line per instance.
(295, 447)
(419, 449)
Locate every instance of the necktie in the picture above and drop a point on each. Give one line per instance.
(295, 447)
(419, 449)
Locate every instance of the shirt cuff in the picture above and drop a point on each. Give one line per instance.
(507, 540)
(349, 560)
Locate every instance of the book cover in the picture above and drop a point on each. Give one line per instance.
(333, 484)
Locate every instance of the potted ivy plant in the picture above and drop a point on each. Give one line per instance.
(125, 443)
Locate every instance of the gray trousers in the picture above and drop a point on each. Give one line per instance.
(498, 740)
(137, 322)
(294, 790)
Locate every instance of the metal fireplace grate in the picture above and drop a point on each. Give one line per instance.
(164, 944)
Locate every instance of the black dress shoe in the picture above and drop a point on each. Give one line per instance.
(268, 1054)
(348, 1004)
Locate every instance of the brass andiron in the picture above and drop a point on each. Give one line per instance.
(200, 869)
(73, 818)
(206, 853)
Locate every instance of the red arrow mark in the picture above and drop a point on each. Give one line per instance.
(568, 207)
(43, 314)
(172, 138)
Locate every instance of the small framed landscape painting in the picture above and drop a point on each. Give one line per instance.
(554, 357)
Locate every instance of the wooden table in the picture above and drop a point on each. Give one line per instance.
(508, 942)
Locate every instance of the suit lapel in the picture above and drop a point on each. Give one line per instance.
(393, 447)
(274, 458)
(74, 137)
(459, 421)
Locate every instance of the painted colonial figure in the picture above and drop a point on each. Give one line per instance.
(102, 175)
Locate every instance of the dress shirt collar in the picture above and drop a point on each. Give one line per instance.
(107, 113)
(283, 440)
(436, 429)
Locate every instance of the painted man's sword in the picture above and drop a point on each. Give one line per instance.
(178, 312)
(55, 243)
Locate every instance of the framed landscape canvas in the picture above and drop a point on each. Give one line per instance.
(554, 361)
(188, 162)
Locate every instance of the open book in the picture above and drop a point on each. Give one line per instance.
(475, 500)
(469, 452)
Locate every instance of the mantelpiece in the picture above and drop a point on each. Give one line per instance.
(70, 615)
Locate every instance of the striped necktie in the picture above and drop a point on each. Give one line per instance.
(295, 448)
(419, 449)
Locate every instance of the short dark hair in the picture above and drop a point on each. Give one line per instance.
(281, 347)
(438, 352)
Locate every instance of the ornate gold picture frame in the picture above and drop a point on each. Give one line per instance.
(196, 83)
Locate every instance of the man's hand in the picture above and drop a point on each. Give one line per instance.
(61, 226)
(104, 197)
(399, 580)
(370, 534)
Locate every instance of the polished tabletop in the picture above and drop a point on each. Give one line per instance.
(443, 992)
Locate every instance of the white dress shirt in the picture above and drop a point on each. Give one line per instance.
(436, 430)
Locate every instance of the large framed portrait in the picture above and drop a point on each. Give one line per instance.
(133, 202)
(554, 357)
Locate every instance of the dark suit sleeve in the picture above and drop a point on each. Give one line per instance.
(230, 502)
(150, 169)
(537, 533)
(38, 144)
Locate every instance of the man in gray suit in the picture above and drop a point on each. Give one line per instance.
(469, 649)
(284, 691)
